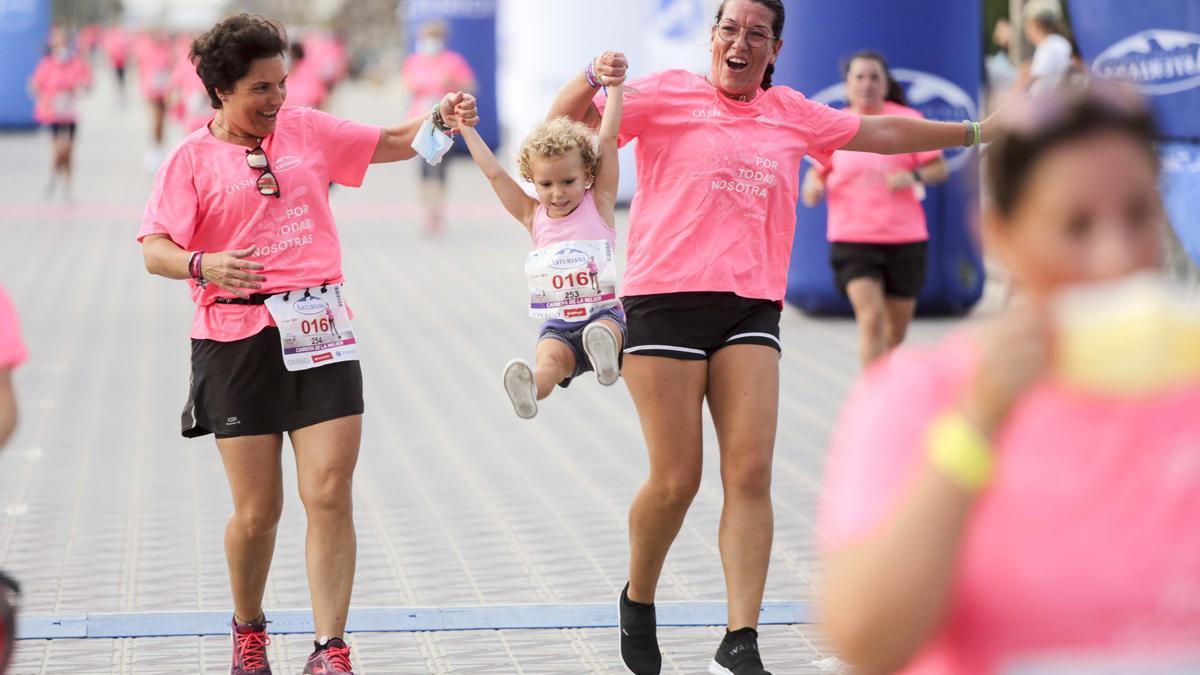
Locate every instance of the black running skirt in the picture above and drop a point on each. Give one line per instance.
(241, 388)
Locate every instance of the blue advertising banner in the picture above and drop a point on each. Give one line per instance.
(1180, 186)
(1152, 44)
(472, 25)
(24, 25)
(1155, 46)
(935, 51)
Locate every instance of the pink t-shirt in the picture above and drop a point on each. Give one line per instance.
(12, 349)
(715, 207)
(304, 86)
(154, 66)
(1084, 545)
(192, 107)
(116, 45)
(205, 199)
(57, 85)
(329, 56)
(87, 38)
(861, 207)
(431, 76)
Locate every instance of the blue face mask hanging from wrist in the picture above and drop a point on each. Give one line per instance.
(432, 144)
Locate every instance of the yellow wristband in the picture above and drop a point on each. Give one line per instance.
(961, 452)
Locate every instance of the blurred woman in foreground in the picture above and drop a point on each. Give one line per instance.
(1016, 500)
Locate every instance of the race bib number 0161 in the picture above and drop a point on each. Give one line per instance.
(314, 327)
(571, 280)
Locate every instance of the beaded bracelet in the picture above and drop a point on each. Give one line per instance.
(436, 119)
(974, 133)
(589, 74)
(192, 265)
(196, 270)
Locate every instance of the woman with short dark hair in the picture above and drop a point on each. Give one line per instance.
(241, 209)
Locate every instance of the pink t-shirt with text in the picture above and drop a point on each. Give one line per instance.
(57, 85)
(715, 207)
(12, 349)
(431, 76)
(1084, 546)
(861, 207)
(205, 199)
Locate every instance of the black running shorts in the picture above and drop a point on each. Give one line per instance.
(899, 267)
(60, 128)
(694, 325)
(241, 388)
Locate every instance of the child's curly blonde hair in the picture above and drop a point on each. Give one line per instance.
(556, 138)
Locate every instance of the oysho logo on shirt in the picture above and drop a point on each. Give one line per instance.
(239, 185)
(1156, 61)
(287, 162)
(707, 113)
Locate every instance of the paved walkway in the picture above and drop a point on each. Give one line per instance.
(104, 508)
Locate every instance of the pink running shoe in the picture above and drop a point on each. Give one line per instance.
(250, 642)
(333, 658)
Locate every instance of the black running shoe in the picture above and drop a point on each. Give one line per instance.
(738, 654)
(639, 636)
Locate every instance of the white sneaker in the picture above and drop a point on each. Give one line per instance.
(601, 347)
(521, 389)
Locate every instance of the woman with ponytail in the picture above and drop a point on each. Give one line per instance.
(710, 238)
(876, 224)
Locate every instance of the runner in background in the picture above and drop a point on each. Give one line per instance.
(154, 61)
(57, 82)
(116, 46)
(429, 72)
(240, 210)
(304, 85)
(329, 56)
(87, 39)
(572, 223)
(187, 99)
(876, 221)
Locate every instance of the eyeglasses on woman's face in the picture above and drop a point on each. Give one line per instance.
(756, 36)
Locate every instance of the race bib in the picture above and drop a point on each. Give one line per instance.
(64, 105)
(571, 280)
(314, 327)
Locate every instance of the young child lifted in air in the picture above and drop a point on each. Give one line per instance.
(571, 273)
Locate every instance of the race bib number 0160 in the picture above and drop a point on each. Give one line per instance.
(314, 327)
(571, 280)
